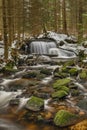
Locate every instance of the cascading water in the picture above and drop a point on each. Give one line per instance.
(41, 47)
(5, 97)
(61, 53)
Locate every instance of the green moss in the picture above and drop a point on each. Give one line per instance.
(59, 94)
(64, 118)
(69, 63)
(73, 72)
(9, 66)
(66, 89)
(81, 55)
(64, 69)
(75, 92)
(83, 75)
(61, 82)
(35, 103)
(31, 74)
(60, 74)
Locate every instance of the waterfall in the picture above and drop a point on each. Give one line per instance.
(41, 47)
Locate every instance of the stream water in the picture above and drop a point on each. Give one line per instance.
(9, 117)
(12, 116)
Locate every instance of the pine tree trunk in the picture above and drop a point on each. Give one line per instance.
(5, 31)
(64, 17)
(80, 20)
(55, 16)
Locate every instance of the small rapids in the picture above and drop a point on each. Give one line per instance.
(5, 97)
(47, 80)
(7, 125)
(61, 53)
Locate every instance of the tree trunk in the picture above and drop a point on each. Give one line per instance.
(5, 31)
(80, 20)
(55, 16)
(64, 17)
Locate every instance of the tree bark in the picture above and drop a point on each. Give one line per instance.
(5, 31)
(64, 16)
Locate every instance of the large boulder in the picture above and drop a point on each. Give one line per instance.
(64, 118)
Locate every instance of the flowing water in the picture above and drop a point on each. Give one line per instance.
(41, 47)
(8, 125)
(61, 53)
(10, 117)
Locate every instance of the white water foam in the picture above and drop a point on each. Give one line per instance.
(6, 81)
(46, 80)
(5, 97)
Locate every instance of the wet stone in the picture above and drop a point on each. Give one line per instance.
(35, 104)
(59, 94)
(82, 104)
(64, 118)
(61, 82)
(14, 101)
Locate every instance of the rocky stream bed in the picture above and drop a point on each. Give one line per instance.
(46, 89)
(47, 97)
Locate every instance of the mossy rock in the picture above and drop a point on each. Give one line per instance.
(82, 104)
(10, 64)
(9, 70)
(73, 72)
(66, 89)
(40, 76)
(83, 75)
(45, 71)
(64, 69)
(61, 74)
(81, 55)
(70, 63)
(61, 82)
(9, 67)
(35, 104)
(59, 94)
(31, 74)
(75, 92)
(64, 118)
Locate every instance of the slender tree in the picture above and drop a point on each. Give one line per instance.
(64, 16)
(5, 30)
